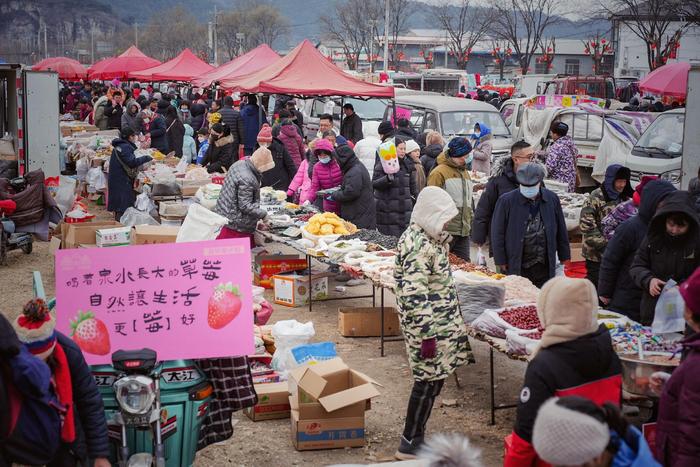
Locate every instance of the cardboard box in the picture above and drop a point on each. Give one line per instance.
(330, 389)
(267, 266)
(293, 289)
(150, 234)
(85, 233)
(330, 433)
(118, 236)
(576, 252)
(367, 322)
(273, 402)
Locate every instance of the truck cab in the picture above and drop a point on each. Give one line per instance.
(594, 86)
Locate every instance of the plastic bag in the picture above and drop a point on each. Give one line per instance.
(313, 353)
(82, 166)
(200, 224)
(491, 323)
(263, 315)
(520, 342)
(668, 314)
(143, 201)
(65, 195)
(480, 257)
(289, 334)
(162, 174)
(181, 166)
(388, 157)
(337, 250)
(475, 298)
(133, 216)
(96, 180)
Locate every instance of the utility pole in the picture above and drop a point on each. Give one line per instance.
(136, 34)
(386, 35)
(92, 41)
(46, 46)
(446, 47)
(373, 25)
(216, 38)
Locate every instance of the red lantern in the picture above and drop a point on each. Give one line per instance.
(603, 41)
(498, 49)
(509, 51)
(421, 53)
(653, 46)
(498, 60)
(469, 51)
(672, 54)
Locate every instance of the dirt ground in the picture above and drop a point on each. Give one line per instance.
(461, 410)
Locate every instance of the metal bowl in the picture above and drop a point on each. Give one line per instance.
(636, 373)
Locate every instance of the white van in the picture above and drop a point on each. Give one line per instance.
(659, 150)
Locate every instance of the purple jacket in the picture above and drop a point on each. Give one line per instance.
(561, 162)
(289, 135)
(678, 424)
(617, 216)
(326, 176)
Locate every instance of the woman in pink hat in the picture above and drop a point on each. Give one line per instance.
(326, 174)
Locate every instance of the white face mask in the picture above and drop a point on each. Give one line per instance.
(146, 120)
(201, 139)
(264, 145)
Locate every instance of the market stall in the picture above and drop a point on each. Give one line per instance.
(250, 62)
(132, 60)
(184, 67)
(67, 68)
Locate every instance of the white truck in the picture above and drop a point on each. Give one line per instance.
(690, 164)
(29, 130)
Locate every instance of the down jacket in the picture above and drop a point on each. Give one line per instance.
(90, 422)
(503, 181)
(239, 200)
(157, 130)
(355, 194)
(120, 187)
(325, 176)
(282, 174)
(197, 121)
(429, 157)
(290, 137)
(561, 162)
(614, 281)
(220, 155)
(663, 257)
(301, 183)
(455, 181)
(395, 195)
(232, 118)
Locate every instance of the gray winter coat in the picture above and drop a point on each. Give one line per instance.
(239, 200)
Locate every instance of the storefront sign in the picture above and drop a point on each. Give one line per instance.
(183, 300)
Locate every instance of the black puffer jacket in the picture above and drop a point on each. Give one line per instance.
(232, 118)
(615, 281)
(664, 257)
(281, 176)
(429, 157)
(90, 422)
(694, 189)
(197, 112)
(220, 155)
(395, 195)
(502, 182)
(355, 194)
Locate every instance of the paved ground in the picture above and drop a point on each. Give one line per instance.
(268, 443)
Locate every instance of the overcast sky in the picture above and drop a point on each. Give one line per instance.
(571, 9)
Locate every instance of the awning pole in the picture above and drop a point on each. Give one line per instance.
(393, 109)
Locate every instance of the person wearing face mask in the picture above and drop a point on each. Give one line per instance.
(129, 117)
(395, 193)
(670, 250)
(452, 175)
(615, 190)
(435, 334)
(528, 229)
(153, 125)
(282, 174)
(203, 142)
(189, 148)
(121, 195)
(185, 112)
(325, 174)
(221, 152)
(482, 148)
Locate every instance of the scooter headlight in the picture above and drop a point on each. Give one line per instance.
(135, 393)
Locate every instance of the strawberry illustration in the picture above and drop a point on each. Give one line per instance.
(224, 305)
(90, 334)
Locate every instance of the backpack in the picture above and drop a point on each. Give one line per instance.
(30, 431)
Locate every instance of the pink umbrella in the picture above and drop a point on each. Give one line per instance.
(669, 80)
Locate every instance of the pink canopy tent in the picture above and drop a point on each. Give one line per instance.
(184, 67)
(248, 63)
(668, 80)
(67, 68)
(305, 72)
(130, 61)
(99, 65)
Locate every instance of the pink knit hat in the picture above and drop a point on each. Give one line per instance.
(323, 145)
(690, 291)
(265, 135)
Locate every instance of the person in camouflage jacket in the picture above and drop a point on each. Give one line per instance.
(616, 189)
(433, 327)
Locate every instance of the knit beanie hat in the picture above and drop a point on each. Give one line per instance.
(35, 328)
(690, 291)
(568, 309)
(637, 196)
(562, 436)
(411, 146)
(340, 141)
(262, 160)
(385, 128)
(459, 147)
(163, 104)
(265, 134)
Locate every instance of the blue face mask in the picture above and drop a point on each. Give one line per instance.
(530, 192)
(324, 160)
(469, 158)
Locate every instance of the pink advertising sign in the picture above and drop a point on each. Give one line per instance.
(183, 300)
(401, 112)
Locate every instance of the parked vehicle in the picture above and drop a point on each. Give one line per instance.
(594, 86)
(532, 84)
(453, 116)
(659, 150)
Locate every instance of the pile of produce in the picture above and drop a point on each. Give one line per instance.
(520, 289)
(372, 236)
(515, 318)
(328, 223)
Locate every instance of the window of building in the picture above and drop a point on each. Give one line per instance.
(541, 68)
(571, 67)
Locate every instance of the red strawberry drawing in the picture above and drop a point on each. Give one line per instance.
(224, 305)
(90, 334)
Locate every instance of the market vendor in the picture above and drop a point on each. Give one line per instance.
(452, 175)
(436, 337)
(528, 229)
(355, 194)
(221, 151)
(575, 358)
(239, 200)
(616, 289)
(395, 193)
(670, 250)
(615, 190)
(678, 423)
(561, 156)
(122, 171)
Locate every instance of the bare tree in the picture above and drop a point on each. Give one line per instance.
(548, 47)
(400, 12)
(653, 21)
(351, 29)
(165, 41)
(596, 47)
(265, 24)
(229, 25)
(465, 25)
(501, 52)
(522, 24)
